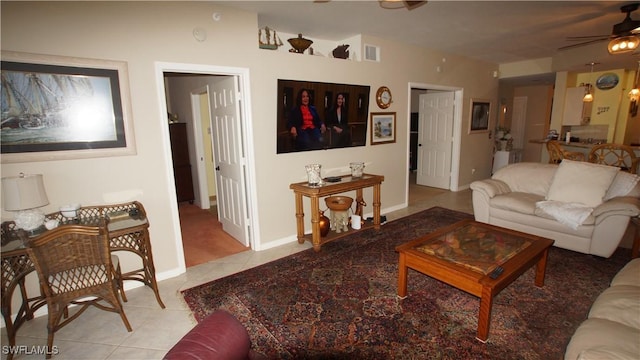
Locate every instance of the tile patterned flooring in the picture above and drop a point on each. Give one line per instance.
(99, 334)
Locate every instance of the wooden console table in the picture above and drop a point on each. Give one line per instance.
(347, 183)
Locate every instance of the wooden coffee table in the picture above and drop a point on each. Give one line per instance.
(465, 254)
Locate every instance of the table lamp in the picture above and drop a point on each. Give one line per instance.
(25, 194)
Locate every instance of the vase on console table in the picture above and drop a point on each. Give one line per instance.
(325, 224)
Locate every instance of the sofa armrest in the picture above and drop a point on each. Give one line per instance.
(490, 187)
(220, 336)
(621, 205)
(483, 191)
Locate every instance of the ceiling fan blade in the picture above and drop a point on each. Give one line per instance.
(581, 44)
(587, 37)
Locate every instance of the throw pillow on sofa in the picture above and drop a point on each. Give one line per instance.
(581, 182)
(624, 184)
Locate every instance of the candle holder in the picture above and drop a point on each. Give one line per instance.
(356, 169)
(313, 175)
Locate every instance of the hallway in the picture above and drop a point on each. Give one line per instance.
(203, 238)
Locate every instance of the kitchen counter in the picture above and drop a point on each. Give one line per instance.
(577, 144)
(582, 147)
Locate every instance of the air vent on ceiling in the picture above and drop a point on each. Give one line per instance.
(371, 53)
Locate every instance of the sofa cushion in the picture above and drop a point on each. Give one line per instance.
(539, 212)
(570, 214)
(516, 201)
(619, 303)
(527, 177)
(624, 184)
(581, 182)
(596, 333)
(544, 227)
(629, 275)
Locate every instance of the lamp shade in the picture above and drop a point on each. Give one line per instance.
(23, 192)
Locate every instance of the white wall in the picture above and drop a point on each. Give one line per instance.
(143, 33)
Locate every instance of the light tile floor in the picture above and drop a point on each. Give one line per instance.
(99, 334)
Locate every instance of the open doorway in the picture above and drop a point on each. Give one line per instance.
(428, 164)
(188, 92)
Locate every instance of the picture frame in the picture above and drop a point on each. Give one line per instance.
(383, 128)
(62, 108)
(480, 114)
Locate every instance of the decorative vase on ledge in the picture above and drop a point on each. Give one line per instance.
(299, 44)
(504, 145)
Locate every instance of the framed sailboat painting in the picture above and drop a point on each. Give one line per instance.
(56, 108)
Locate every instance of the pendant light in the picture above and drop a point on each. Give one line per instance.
(588, 97)
(634, 94)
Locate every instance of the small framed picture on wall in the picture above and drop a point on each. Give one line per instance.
(480, 114)
(383, 128)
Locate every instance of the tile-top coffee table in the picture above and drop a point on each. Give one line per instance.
(468, 255)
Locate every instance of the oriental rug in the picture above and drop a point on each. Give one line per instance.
(341, 303)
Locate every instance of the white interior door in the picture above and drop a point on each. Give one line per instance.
(435, 139)
(201, 121)
(229, 160)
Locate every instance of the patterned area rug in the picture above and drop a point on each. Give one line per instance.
(341, 303)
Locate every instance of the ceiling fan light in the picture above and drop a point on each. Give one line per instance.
(623, 44)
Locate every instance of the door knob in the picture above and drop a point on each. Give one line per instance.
(217, 168)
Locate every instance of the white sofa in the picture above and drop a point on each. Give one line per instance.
(612, 329)
(537, 198)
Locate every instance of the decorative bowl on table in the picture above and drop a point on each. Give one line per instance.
(70, 211)
(338, 203)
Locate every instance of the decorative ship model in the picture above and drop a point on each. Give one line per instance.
(268, 39)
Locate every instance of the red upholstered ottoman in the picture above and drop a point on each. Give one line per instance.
(219, 336)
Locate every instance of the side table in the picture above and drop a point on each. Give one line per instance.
(129, 234)
(314, 193)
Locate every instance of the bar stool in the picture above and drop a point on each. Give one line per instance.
(618, 155)
(557, 153)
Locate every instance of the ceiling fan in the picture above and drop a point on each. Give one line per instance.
(624, 33)
(392, 4)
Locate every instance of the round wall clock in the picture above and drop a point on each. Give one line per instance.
(383, 97)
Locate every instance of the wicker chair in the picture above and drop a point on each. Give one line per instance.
(618, 155)
(557, 153)
(75, 267)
